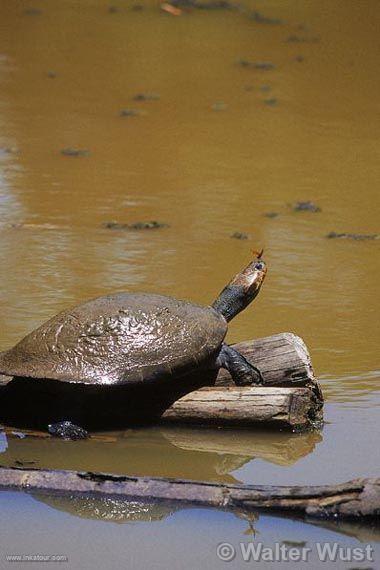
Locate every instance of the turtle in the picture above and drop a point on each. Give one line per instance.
(132, 339)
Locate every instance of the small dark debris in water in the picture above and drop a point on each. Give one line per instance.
(307, 206)
(271, 214)
(260, 65)
(130, 112)
(215, 5)
(151, 225)
(146, 97)
(358, 237)
(67, 430)
(219, 106)
(22, 463)
(113, 9)
(299, 58)
(210, 5)
(18, 434)
(264, 65)
(265, 88)
(248, 88)
(51, 74)
(69, 151)
(261, 19)
(32, 11)
(294, 39)
(239, 235)
(183, 3)
(271, 102)
(137, 7)
(294, 543)
(115, 226)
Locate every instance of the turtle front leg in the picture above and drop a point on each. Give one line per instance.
(243, 372)
(67, 430)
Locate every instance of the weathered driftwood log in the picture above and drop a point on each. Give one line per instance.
(246, 406)
(357, 498)
(283, 360)
(290, 395)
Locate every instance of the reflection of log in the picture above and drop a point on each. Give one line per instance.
(170, 451)
(357, 528)
(358, 498)
(295, 407)
(280, 448)
(140, 451)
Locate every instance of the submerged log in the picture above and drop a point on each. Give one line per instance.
(246, 406)
(359, 498)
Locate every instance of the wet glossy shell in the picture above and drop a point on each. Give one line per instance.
(119, 339)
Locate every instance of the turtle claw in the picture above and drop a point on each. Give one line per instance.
(251, 378)
(257, 379)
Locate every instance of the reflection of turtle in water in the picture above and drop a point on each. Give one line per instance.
(127, 340)
(109, 509)
(117, 510)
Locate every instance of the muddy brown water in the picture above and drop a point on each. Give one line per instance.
(215, 148)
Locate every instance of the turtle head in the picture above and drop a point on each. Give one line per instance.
(242, 289)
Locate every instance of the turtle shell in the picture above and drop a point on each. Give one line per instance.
(119, 339)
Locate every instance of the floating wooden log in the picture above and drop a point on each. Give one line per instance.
(359, 498)
(283, 360)
(246, 406)
(290, 394)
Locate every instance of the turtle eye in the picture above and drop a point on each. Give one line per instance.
(259, 265)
